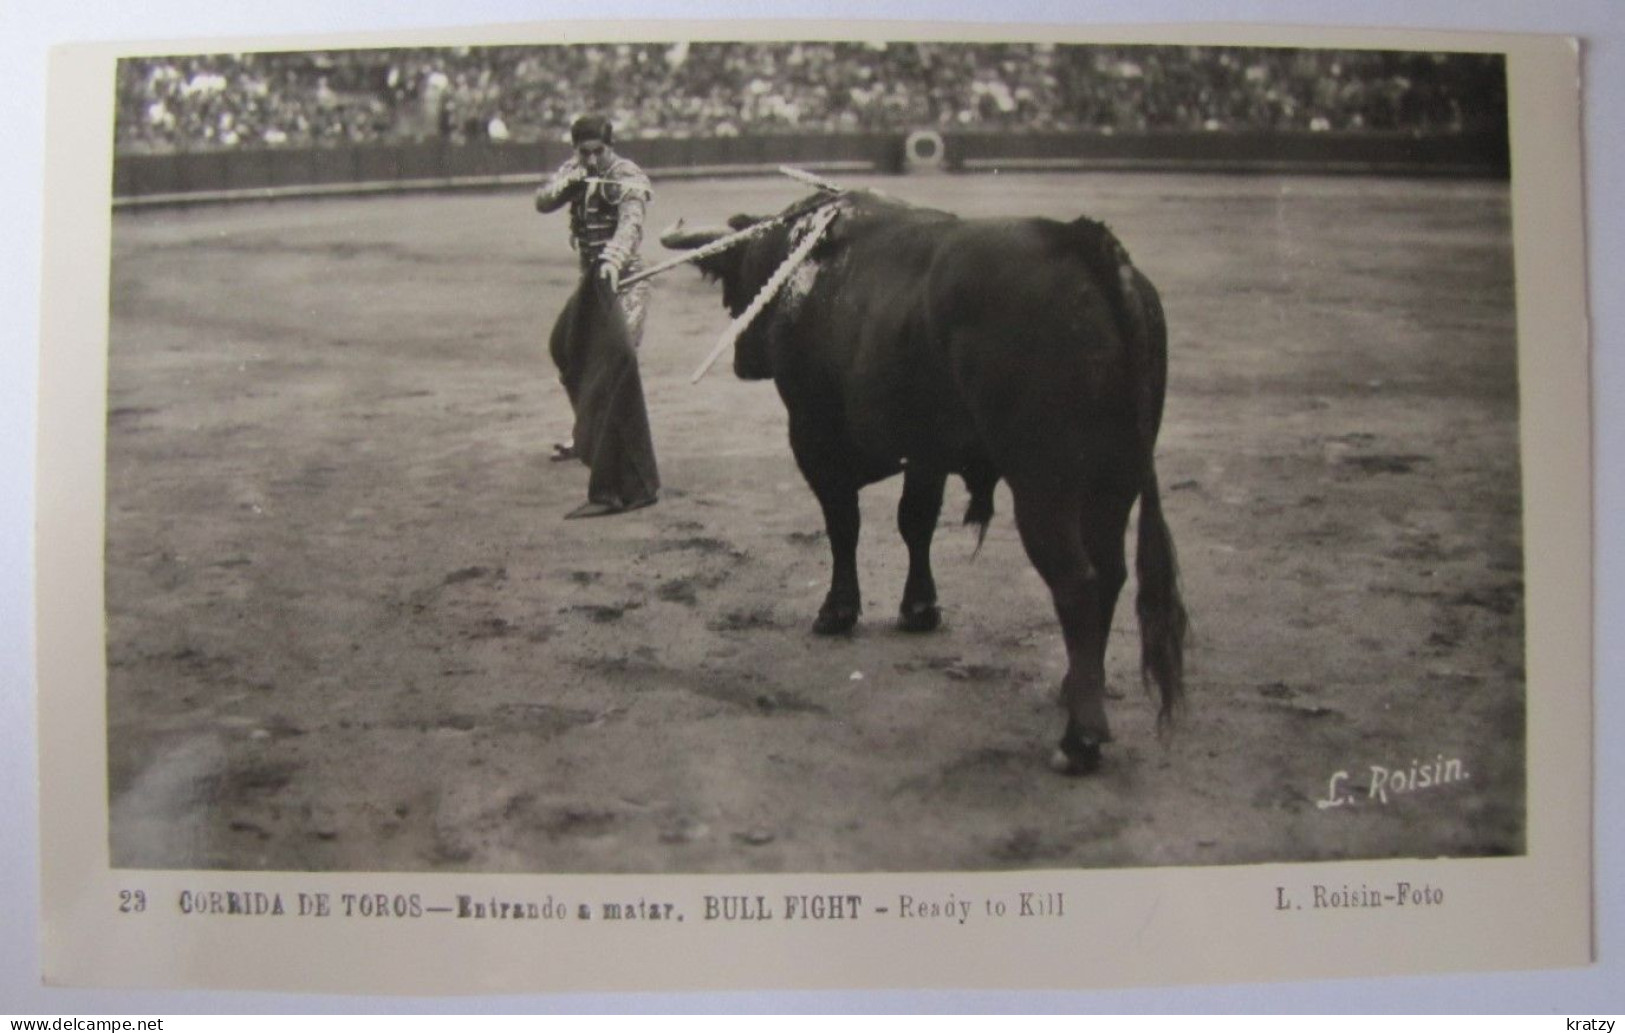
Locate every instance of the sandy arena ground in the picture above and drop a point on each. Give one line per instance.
(348, 630)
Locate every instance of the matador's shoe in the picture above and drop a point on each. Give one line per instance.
(593, 509)
(597, 509)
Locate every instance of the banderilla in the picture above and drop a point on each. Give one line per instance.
(829, 192)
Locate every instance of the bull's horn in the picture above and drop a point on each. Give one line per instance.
(678, 237)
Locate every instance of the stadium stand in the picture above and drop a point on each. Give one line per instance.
(651, 91)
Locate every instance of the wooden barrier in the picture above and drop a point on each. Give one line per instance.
(256, 173)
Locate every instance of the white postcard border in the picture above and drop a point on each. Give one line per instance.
(1143, 926)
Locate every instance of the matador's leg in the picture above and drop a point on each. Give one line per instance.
(635, 305)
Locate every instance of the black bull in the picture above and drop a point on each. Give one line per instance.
(1026, 350)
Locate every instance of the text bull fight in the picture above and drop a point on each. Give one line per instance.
(1028, 350)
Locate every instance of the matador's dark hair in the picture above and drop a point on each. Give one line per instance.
(592, 127)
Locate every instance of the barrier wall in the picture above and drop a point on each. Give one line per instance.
(261, 172)
(1391, 152)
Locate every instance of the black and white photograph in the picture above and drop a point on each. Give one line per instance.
(770, 505)
(1174, 389)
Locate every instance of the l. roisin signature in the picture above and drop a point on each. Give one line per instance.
(1382, 783)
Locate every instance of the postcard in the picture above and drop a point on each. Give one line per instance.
(659, 506)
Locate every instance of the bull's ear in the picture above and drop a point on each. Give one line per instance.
(722, 267)
(740, 222)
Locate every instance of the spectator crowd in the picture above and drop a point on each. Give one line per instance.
(731, 89)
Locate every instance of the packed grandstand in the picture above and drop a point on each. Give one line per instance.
(727, 89)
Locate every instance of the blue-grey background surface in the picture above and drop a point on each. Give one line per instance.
(28, 30)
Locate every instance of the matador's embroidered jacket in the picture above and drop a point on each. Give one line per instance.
(606, 211)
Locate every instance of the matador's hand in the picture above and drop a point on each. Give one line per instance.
(611, 275)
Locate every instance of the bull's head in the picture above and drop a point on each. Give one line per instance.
(729, 266)
(742, 270)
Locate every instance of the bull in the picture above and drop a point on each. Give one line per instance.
(1025, 350)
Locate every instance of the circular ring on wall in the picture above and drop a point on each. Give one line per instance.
(924, 150)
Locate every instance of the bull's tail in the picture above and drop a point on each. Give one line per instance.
(1163, 621)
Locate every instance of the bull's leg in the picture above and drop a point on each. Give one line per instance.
(1104, 524)
(844, 601)
(828, 465)
(1050, 522)
(917, 520)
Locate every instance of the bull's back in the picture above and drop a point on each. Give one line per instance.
(877, 366)
(1031, 331)
(963, 343)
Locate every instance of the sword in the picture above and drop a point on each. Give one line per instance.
(811, 179)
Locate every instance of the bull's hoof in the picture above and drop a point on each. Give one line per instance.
(1075, 758)
(835, 620)
(918, 617)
